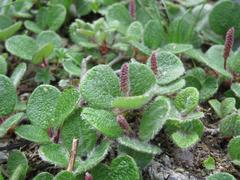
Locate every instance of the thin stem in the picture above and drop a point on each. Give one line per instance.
(73, 155)
(84, 65)
(118, 59)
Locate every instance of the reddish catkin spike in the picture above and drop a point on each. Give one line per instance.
(229, 40)
(124, 78)
(88, 176)
(123, 122)
(154, 64)
(132, 9)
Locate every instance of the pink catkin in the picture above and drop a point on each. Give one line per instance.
(88, 176)
(124, 78)
(229, 40)
(123, 122)
(132, 9)
(154, 64)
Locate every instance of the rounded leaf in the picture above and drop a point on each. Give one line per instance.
(55, 154)
(154, 35)
(132, 102)
(153, 118)
(225, 15)
(9, 123)
(103, 121)
(15, 159)
(187, 100)
(119, 13)
(75, 127)
(221, 176)
(16, 44)
(43, 175)
(93, 158)
(170, 67)
(64, 175)
(8, 96)
(39, 136)
(42, 104)
(139, 146)
(230, 126)
(141, 78)
(234, 150)
(100, 86)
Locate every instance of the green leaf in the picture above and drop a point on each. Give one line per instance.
(19, 173)
(18, 73)
(170, 67)
(209, 163)
(122, 168)
(139, 145)
(42, 105)
(119, 13)
(42, 53)
(103, 121)
(9, 123)
(154, 118)
(221, 176)
(3, 65)
(100, 86)
(142, 159)
(188, 133)
(46, 37)
(206, 85)
(66, 103)
(235, 87)
(225, 15)
(94, 157)
(234, 150)
(71, 68)
(154, 35)
(16, 44)
(54, 154)
(216, 105)
(141, 78)
(75, 127)
(32, 26)
(230, 125)
(39, 136)
(48, 18)
(183, 140)
(176, 48)
(131, 102)
(15, 159)
(43, 176)
(135, 31)
(171, 88)
(227, 106)
(9, 31)
(215, 59)
(234, 62)
(64, 175)
(141, 47)
(8, 96)
(187, 100)
(184, 133)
